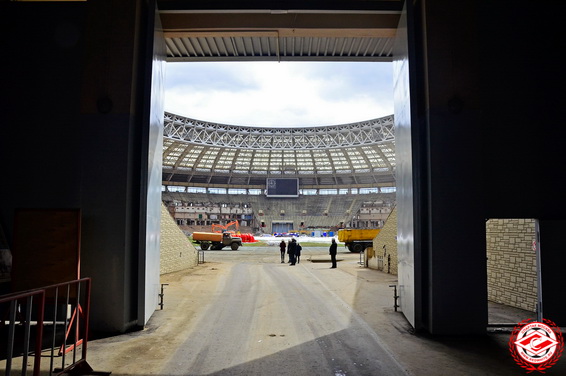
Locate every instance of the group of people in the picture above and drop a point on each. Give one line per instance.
(294, 251)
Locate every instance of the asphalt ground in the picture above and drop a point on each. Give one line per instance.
(245, 313)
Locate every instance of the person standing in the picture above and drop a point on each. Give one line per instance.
(332, 251)
(298, 253)
(291, 250)
(282, 247)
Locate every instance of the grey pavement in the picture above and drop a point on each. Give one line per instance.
(244, 313)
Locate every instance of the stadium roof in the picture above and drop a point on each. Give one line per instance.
(200, 153)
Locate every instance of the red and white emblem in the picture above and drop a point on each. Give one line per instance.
(536, 346)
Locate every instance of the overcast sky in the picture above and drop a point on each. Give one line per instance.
(279, 94)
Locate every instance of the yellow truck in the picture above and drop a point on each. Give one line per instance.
(357, 239)
(216, 241)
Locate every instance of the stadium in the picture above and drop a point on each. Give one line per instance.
(272, 180)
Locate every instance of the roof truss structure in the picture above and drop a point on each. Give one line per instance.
(358, 154)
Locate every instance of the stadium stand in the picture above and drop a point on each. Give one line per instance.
(303, 212)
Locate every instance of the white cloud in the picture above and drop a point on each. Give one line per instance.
(279, 94)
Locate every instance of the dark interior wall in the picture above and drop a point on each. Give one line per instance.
(72, 136)
(523, 129)
(523, 109)
(114, 156)
(492, 116)
(39, 121)
(454, 252)
(54, 157)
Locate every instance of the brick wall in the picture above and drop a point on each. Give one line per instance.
(511, 262)
(387, 237)
(177, 252)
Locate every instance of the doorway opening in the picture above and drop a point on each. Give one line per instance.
(512, 271)
(282, 227)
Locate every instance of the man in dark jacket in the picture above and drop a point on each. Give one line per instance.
(332, 251)
(298, 253)
(291, 249)
(282, 247)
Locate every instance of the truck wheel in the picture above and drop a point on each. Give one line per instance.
(234, 246)
(204, 246)
(356, 248)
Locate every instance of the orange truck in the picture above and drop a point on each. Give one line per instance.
(216, 241)
(357, 239)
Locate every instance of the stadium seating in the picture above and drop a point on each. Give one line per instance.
(313, 211)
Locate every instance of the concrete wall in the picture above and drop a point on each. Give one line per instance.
(387, 237)
(511, 262)
(177, 252)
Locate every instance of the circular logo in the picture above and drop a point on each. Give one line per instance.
(536, 346)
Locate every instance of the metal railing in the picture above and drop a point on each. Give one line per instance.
(59, 316)
(15, 302)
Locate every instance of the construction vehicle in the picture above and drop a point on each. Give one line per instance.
(224, 228)
(357, 239)
(216, 241)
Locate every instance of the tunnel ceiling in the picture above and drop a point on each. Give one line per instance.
(279, 30)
